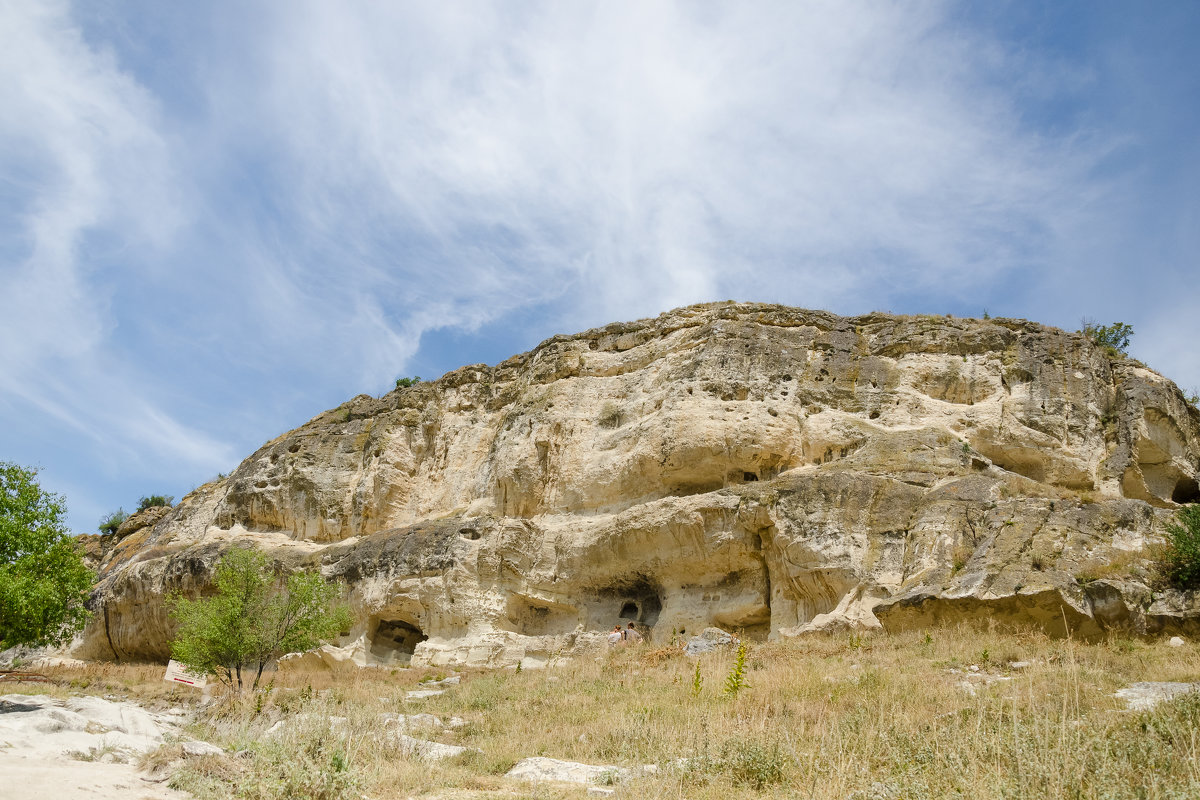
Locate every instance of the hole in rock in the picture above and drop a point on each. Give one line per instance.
(469, 533)
(1186, 491)
(395, 641)
(874, 415)
(749, 476)
(635, 598)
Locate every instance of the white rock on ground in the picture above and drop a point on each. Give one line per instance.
(426, 750)
(41, 738)
(411, 722)
(1145, 695)
(196, 749)
(709, 640)
(538, 769)
(1176, 641)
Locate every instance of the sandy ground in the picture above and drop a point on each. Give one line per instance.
(56, 777)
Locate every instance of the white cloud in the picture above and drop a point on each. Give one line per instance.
(93, 195)
(316, 186)
(632, 157)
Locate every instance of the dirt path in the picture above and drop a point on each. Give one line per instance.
(56, 777)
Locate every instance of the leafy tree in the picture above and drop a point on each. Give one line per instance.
(253, 618)
(155, 500)
(1180, 561)
(43, 582)
(110, 523)
(404, 383)
(1113, 337)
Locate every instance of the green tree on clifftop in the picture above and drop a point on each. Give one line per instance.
(43, 582)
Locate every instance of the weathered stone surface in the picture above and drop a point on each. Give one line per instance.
(709, 640)
(99, 548)
(1145, 695)
(197, 749)
(336, 659)
(766, 470)
(426, 750)
(38, 725)
(539, 769)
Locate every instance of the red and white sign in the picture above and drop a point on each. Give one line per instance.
(178, 673)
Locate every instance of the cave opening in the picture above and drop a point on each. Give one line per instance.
(637, 597)
(1186, 491)
(395, 641)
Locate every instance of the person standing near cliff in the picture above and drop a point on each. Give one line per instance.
(631, 635)
(615, 636)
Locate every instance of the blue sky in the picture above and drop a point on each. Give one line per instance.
(219, 219)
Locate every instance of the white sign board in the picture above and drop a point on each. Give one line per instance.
(178, 673)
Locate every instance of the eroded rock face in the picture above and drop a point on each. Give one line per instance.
(757, 468)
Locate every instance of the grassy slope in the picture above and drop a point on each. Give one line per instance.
(839, 717)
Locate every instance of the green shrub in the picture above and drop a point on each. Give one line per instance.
(155, 500)
(1114, 338)
(1180, 561)
(404, 383)
(110, 523)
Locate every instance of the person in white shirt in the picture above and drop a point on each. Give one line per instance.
(615, 637)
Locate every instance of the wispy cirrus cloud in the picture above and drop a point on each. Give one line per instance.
(225, 218)
(628, 159)
(88, 194)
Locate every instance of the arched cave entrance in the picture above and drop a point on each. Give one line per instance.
(637, 599)
(393, 641)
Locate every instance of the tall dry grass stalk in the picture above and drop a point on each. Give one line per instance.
(876, 716)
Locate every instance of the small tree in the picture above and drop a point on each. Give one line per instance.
(110, 522)
(1180, 561)
(155, 500)
(1113, 337)
(404, 383)
(253, 618)
(43, 582)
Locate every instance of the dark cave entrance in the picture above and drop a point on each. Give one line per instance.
(395, 640)
(638, 599)
(1186, 491)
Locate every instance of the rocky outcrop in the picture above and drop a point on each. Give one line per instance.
(98, 548)
(757, 468)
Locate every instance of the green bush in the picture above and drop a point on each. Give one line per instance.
(110, 523)
(404, 383)
(1114, 338)
(155, 500)
(1180, 561)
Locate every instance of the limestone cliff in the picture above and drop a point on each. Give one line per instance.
(756, 467)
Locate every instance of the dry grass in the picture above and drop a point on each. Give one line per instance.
(829, 717)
